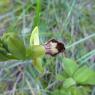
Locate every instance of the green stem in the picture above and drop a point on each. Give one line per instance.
(37, 17)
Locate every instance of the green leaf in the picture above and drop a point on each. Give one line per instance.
(34, 39)
(60, 77)
(74, 91)
(84, 90)
(69, 82)
(70, 66)
(61, 92)
(91, 79)
(84, 75)
(78, 91)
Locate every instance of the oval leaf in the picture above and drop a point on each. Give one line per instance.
(70, 66)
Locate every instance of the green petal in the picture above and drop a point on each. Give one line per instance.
(34, 39)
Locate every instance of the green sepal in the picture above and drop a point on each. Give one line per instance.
(37, 63)
(35, 51)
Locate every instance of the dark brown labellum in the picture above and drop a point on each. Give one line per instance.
(54, 47)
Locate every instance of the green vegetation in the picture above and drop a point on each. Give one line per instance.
(26, 67)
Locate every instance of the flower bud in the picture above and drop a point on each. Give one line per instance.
(3, 57)
(15, 45)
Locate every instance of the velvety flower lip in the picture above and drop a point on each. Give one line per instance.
(54, 47)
